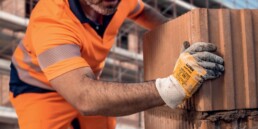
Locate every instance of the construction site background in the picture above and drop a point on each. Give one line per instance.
(124, 63)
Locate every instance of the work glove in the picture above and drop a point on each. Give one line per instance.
(195, 64)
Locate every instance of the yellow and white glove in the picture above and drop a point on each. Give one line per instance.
(194, 65)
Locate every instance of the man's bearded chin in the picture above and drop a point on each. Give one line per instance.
(102, 9)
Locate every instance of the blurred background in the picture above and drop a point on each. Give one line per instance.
(124, 63)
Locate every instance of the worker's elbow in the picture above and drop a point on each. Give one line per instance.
(87, 111)
(87, 107)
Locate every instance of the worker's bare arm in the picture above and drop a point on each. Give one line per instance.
(149, 18)
(93, 97)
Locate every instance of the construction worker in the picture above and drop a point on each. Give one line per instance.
(54, 68)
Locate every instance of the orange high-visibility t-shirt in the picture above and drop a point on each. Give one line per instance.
(59, 40)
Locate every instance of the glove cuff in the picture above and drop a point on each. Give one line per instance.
(170, 91)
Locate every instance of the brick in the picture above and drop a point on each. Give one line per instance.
(130, 120)
(252, 122)
(234, 32)
(1, 90)
(4, 89)
(249, 57)
(133, 42)
(166, 118)
(16, 7)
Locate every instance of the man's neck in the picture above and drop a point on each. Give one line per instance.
(90, 13)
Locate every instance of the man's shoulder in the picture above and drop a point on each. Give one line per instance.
(51, 9)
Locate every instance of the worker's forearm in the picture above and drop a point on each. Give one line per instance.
(116, 99)
(150, 18)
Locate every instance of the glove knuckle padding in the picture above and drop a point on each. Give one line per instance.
(211, 65)
(207, 65)
(210, 57)
(200, 47)
(211, 74)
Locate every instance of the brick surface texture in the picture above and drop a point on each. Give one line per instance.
(235, 33)
(4, 89)
(16, 7)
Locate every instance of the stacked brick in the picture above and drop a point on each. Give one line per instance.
(4, 90)
(229, 101)
(16, 7)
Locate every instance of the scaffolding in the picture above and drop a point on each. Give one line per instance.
(125, 60)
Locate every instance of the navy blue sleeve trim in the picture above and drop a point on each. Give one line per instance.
(18, 87)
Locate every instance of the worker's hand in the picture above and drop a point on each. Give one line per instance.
(195, 64)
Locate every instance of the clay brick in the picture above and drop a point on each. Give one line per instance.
(16, 7)
(234, 32)
(133, 42)
(1, 90)
(4, 89)
(252, 122)
(166, 118)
